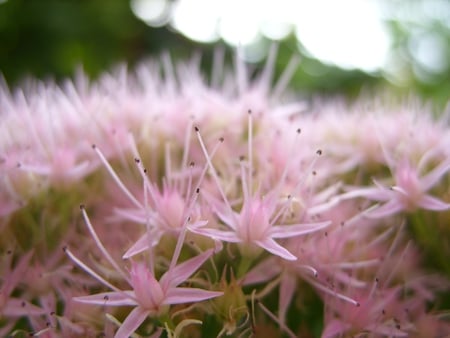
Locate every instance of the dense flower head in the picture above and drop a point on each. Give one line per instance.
(219, 207)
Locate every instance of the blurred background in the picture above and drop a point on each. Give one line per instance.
(347, 47)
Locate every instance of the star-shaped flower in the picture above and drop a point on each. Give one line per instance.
(148, 296)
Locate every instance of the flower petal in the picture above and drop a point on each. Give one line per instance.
(132, 322)
(109, 299)
(387, 209)
(189, 295)
(431, 203)
(273, 247)
(287, 231)
(18, 308)
(430, 179)
(183, 271)
(227, 236)
(287, 289)
(141, 245)
(263, 272)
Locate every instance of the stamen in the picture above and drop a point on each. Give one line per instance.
(115, 177)
(90, 271)
(100, 245)
(213, 170)
(396, 267)
(374, 288)
(332, 292)
(309, 268)
(276, 320)
(186, 149)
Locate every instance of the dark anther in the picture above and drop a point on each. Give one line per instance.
(319, 152)
(197, 190)
(221, 139)
(196, 129)
(94, 146)
(299, 130)
(82, 206)
(64, 248)
(137, 160)
(192, 164)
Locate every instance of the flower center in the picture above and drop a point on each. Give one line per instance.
(253, 222)
(147, 289)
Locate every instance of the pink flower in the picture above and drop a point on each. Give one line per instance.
(11, 306)
(256, 223)
(148, 296)
(407, 194)
(163, 210)
(409, 191)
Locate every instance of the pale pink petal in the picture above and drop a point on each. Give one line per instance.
(198, 224)
(388, 209)
(133, 215)
(148, 291)
(430, 179)
(431, 203)
(262, 272)
(132, 322)
(18, 308)
(225, 214)
(11, 280)
(287, 289)
(378, 193)
(287, 231)
(270, 245)
(141, 245)
(183, 271)
(189, 295)
(109, 299)
(227, 236)
(227, 219)
(374, 193)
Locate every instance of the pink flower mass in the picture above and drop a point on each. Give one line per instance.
(219, 208)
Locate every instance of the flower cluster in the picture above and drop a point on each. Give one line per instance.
(159, 203)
